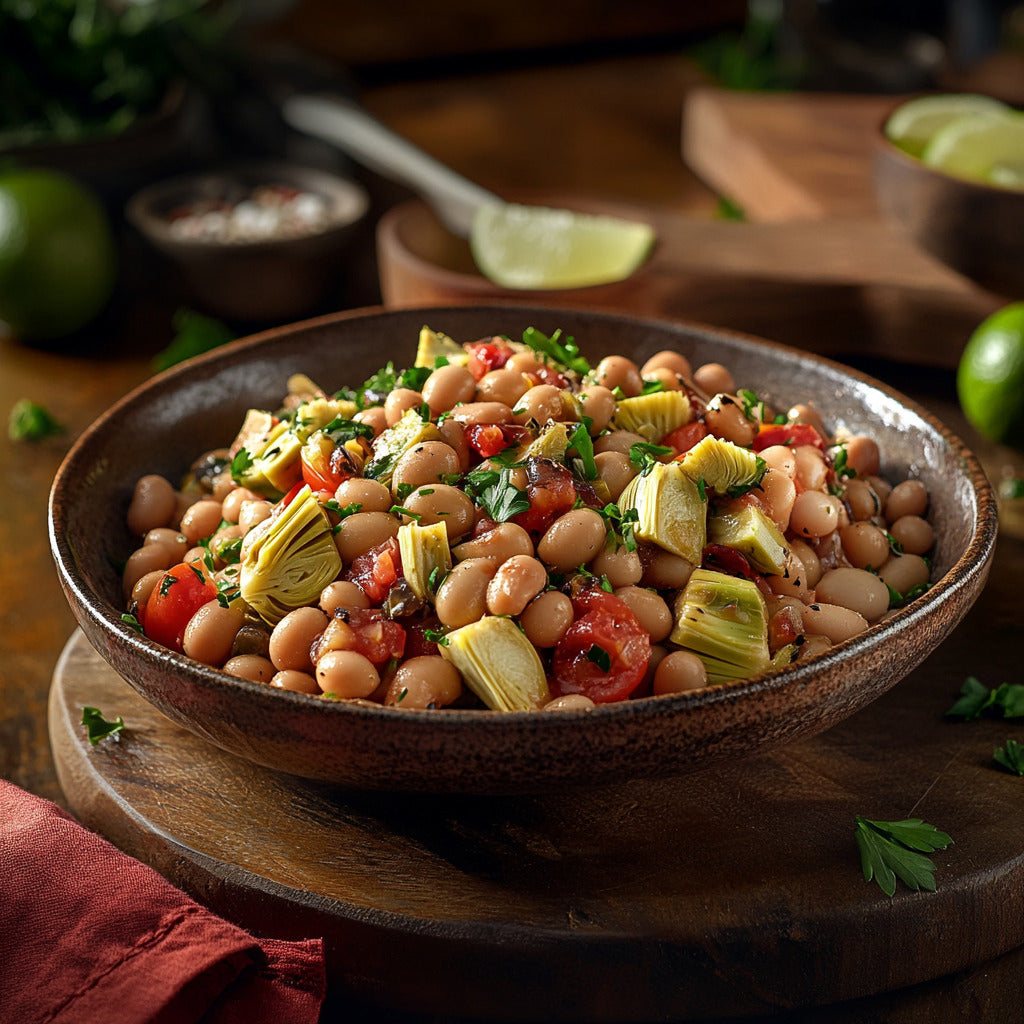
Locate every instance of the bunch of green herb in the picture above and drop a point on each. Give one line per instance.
(76, 69)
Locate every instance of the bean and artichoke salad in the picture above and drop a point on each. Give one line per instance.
(504, 526)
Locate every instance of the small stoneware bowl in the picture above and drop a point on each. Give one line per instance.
(272, 278)
(420, 262)
(976, 229)
(163, 425)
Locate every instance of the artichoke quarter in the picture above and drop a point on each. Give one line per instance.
(290, 561)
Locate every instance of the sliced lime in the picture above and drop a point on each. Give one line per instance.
(978, 148)
(913, 124)
(518, 246)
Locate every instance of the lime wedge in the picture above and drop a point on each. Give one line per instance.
(913, 124)
(988, 149)
(518, 246)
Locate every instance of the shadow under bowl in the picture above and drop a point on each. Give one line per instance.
(976, 229)
(266, 279)
(163, 425)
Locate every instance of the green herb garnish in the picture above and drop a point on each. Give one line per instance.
(600, 657)
(502, 499)
(896, 849)
(30, 421)
(1011, 757)
(566, 354)
(194, 334)
(977, 700)
(97, 727)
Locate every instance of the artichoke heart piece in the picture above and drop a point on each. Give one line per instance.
(653, 416)
(671, 510)
(724, 621)
(724, 467)
(551, 443)
(273, 464)
(434, 345)
(390, 445)
(749, 531)
(498, 664)
(289, 561)
(425, 555)
(320, 412)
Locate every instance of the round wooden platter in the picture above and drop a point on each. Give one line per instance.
(731, 893)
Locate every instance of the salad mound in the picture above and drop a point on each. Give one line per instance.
(504, 526)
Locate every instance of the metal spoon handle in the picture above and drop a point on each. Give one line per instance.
(335, 120)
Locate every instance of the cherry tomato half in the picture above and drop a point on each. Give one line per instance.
(683, 438)
(490, 438)
(181, 592)
(376, 637)
(324, 464)
(791, 434)
(604, 653)
(377, 570)
(485, 356)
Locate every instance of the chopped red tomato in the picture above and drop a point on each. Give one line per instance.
(792, 435)
(683, 438)
(604, 654)
(377, 570)
(783, 628)
(551, 492)
(491, 438)
(181, 592)
(375, 637)
(416, 643)
(324, 464)
(485, 356)
(727, 560)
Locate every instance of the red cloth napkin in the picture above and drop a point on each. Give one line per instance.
(90, 936)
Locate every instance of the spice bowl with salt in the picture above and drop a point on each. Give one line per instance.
(256, 241)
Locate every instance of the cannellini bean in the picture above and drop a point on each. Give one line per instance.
(211, 632)
(909, 498)
(725, 418)
(297, 682)
(504, 385)
(570, 702)
(462, 596)
(500, 543)
(814, 514)
(515, 584)
(424, 682)
(667, 360)
(361, 531)
(650, 609)
(905, 572)
(914, 534)
(370, 495)
(714, 379)
(679, 671)
(857, 589)
(447, 386)
(346, 674)
(293, 637)
(573, 539)
(546, 618)
(250, 666)
(428, 462)
(619, 372)
(399, 402)
(620, 566)
(154, 503)
(833, 621)
(865, 545)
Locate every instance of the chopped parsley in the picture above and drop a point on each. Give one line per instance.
(30, 421)
(436, 636)
(97, 727)
(600, 657)
(566, 353)
(399, 510)
(133, 623)
(194, 334)
(579, 440)
(621, 525)
(502, 499)
(644, 455)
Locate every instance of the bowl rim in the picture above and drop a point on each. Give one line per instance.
(971, 566)
(141, 207)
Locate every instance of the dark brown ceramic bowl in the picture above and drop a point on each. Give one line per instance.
(974, 228)
(272, 279)
(162, 426)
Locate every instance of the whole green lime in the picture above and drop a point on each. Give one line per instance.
(990, 378)
(58, 259)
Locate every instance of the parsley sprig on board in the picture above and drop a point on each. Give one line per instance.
(97, 727)
(896, 849)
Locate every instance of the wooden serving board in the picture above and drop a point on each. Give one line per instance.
(726, 894)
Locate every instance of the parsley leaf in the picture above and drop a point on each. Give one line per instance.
(30, 421)
(580, 440)
(133, 623)
(600, 657)
(1011, 757)
(193, 335)
(502, 499)
(977, 700)
(97, 727)
(644, 455)
(896, 849)
(566, 354)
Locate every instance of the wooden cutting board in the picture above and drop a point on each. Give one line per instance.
(730, 893)
(787, 156)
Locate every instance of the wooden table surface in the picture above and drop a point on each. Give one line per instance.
(503, 128)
